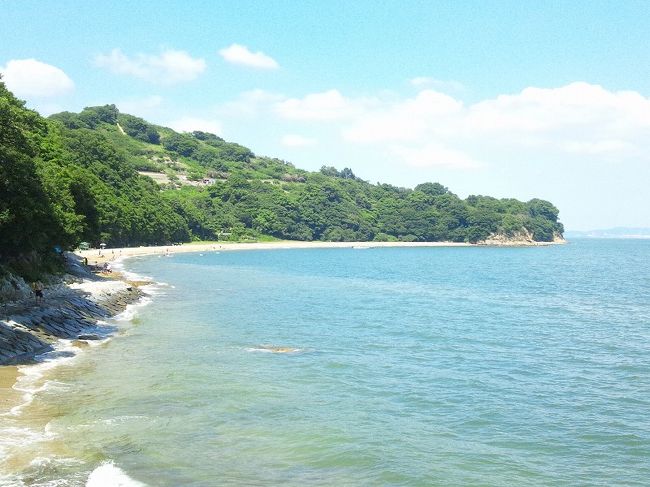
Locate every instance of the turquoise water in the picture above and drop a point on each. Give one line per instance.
(420, 366)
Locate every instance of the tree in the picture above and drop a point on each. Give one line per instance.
(432, 189)
(183, 144)
(139, 129)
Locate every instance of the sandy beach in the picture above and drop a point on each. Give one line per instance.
(96, 256)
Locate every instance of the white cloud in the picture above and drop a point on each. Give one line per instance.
(574, 106)
(578, 119)
(32, 78)
(238, 54)
(169, 67)
(295, 140)
(250, 103)
(421, 81)
(190, 124)
(434, 155)
(140, 106)
(442, 85)
(408, 119)
(576, 122)
(328, 105)
(598, 147)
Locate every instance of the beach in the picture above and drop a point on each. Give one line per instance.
(97, 256)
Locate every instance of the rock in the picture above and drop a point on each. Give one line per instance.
(13, 288)
(63, 314)
(89, 337)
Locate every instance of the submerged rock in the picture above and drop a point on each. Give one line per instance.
(275, 349)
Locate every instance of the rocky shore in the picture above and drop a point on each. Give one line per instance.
(72, 310)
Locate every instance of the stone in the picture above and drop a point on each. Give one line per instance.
(89, 337)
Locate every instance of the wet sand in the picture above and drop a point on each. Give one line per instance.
(9, 397)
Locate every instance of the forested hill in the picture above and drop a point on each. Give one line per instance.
(78, 177)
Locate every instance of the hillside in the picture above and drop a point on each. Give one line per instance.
(85, 177)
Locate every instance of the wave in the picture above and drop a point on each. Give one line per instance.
(108, 474)
(29, 381)
(118, 265)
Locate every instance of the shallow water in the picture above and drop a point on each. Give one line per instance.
(393, 366)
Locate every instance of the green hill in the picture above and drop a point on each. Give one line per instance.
(88, 177)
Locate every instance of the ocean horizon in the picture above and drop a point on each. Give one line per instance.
(378, 366)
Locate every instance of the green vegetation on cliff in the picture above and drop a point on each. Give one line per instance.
(77, 177)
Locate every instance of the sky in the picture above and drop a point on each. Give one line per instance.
(515, 99)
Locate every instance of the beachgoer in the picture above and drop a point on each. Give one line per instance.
(38, 291)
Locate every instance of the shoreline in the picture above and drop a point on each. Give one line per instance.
(38, 338)
(73, 310)
(97, 256)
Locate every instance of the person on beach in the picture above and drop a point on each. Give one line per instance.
(38, 291)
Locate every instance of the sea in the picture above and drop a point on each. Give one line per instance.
(440, 366)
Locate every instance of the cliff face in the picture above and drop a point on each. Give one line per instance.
(523, 237)
(13, 288)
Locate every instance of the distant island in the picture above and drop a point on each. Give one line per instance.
(101, 176)
(616, 232)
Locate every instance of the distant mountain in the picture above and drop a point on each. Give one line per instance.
(617, 232)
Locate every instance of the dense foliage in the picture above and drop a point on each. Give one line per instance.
(75, 178)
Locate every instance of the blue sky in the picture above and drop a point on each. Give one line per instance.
(510, 99)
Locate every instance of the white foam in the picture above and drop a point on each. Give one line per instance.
(121, 419)
(15, 438)
(29, 382)
(131, 310)
(109, 475)
(118, 265)
(97, 343)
